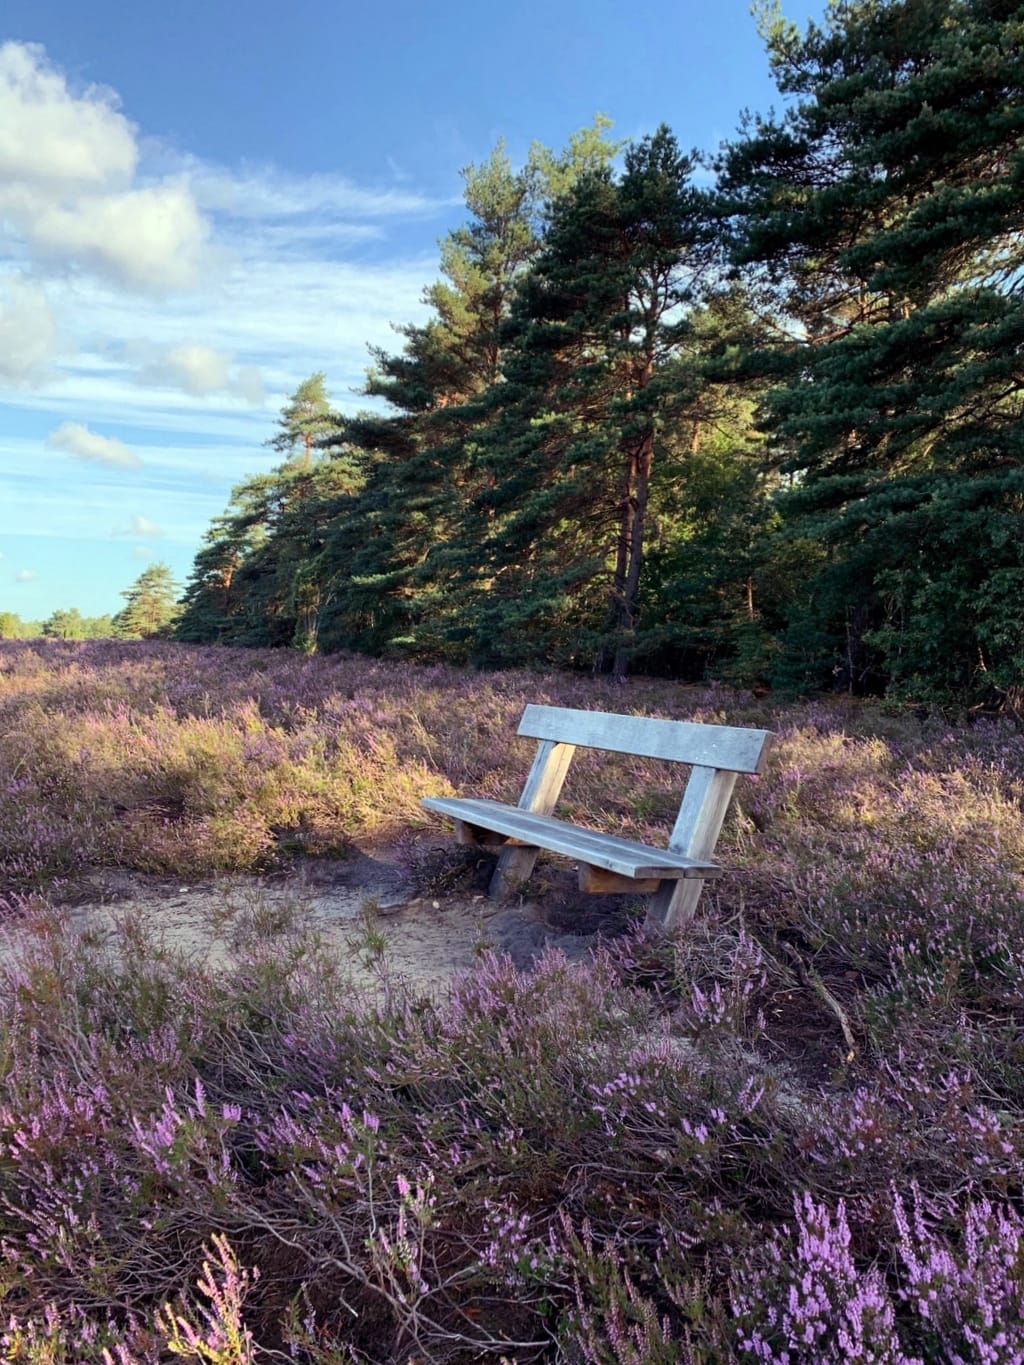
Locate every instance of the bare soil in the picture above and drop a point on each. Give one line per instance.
(426, 913)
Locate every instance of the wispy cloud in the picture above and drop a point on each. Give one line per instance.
(75, 439)
(41, 508)
(95, 219)
(198, 370)
(265, 192)
(269, 325)
(28, 332)
(25, 576)
(140, 526)
(262, 278)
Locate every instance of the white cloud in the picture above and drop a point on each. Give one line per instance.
(49, 136)
(200, 371)
(67, 194)
(28, 332)
(25, 575)
(86, 203)
(264, 277)
(149, 239)
(77, 440)
(143, 552)
(141, 526)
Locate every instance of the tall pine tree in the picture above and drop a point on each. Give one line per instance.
(423, 472)
(600, 377)
(884, 213)
(306, 422)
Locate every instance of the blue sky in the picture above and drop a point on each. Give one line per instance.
(203, 203)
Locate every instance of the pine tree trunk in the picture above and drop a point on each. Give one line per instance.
(642, 464)
(608, 654)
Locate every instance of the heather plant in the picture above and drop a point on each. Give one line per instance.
(813, 1302)
(545, 1158)
(954, 1300)
(183, 759)
(213, 1330)
(793, 1133)
(967, 1294)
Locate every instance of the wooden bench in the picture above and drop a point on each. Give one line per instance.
(674, 876)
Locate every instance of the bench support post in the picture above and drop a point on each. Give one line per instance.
(540, 793)
(695, 834)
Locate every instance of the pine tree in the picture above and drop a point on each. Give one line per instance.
(259, 577)
(65, 624)
(884, 214)
(306, 422)
(598, 371)
(421, 458)
(213, 602)
(150, 605)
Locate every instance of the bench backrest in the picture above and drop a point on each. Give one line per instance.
(724, 747)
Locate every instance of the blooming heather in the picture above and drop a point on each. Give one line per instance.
(794, 1133)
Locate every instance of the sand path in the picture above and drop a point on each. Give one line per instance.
(364, 907)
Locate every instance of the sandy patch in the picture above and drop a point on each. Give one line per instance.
(364, 908)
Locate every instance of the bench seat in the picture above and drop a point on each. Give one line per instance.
(626, 857)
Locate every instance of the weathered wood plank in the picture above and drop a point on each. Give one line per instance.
(597, 881)
(695, 834)
(474, 836)
(543, 785)
(540, 794)
(625, 856)
(681, 741)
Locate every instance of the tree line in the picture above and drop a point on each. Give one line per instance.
(149, 613)
(752, 415)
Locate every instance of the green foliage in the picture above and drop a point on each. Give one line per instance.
(884, 215)
(306, 420)
(67, 624)
(150, 605)
(592, 336)
(719, 579)
(260, 576)
(400, 550)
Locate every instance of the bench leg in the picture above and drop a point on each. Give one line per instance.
(673, 904)
(696, 830)
(541, 792)
(515, 866)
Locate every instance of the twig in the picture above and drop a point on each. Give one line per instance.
(809, 977)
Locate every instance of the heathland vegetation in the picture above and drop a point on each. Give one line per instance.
(793, 1134)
